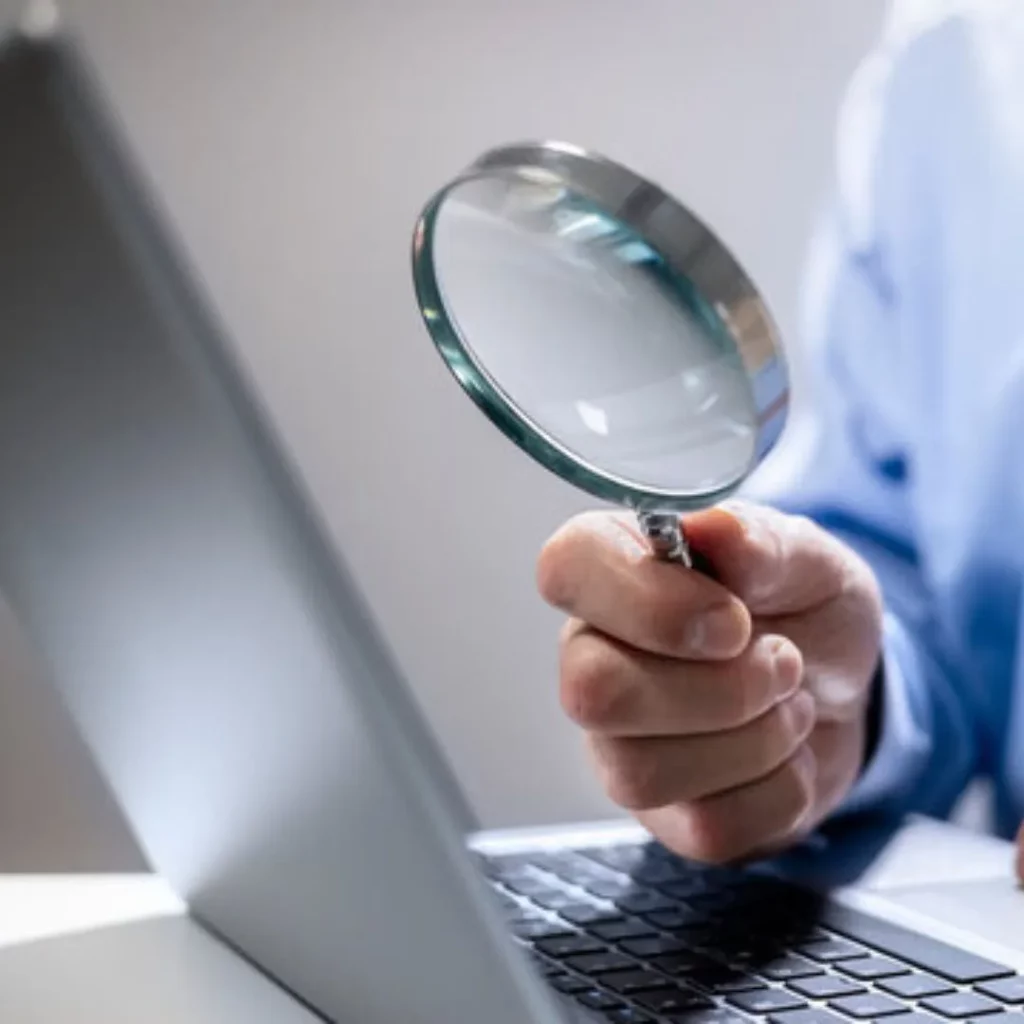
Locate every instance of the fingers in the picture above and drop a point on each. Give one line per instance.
(617, 691)
(728, 714)
(777, 564)
(735, 825)
(650, 772)
(599, 569)
(839, 644)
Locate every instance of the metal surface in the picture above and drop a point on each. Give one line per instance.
(720, 294)
(664, 532)
(204, 634)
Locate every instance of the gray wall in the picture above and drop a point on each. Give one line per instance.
(292, 144)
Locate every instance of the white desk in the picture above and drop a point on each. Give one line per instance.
(119, 949)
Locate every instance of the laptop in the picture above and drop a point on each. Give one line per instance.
(213, 650)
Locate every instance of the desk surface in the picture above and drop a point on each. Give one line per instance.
(121, 949)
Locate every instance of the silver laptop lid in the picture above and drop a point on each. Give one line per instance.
(207, 640)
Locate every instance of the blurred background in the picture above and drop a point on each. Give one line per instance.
(291, 145)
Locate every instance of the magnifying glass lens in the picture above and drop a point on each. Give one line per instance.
(582, 327)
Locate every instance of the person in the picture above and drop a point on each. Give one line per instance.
(857, 647)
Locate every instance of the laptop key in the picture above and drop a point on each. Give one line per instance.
(630, 1015)
(916, 986)
(829, 951)
(538, 928)
(665, 1001)
(608, 888)
(644, 901)
(586, 913)
(868, 1006)
(570, 984)
(658, 945)
(721, 980)
(600, 963)
(717, 1015)
(621, 929)
(560, 946)
(596, 999)
(810, 1015)
(682, 964)
(826, 986)
(959, 1005)
(768, 1000)
(788, 967)
(676, 919)
(1006, 990)
(1002, 1017)
(871, 968)
(556, 900)
(630, 982)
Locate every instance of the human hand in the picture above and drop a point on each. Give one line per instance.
(729, 716)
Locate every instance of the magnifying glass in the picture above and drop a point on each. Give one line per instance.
(604, 329)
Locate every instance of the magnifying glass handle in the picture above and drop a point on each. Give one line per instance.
(664, 532)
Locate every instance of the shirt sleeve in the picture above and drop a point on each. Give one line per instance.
(847, 460)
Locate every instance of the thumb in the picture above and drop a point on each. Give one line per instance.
(777, 564)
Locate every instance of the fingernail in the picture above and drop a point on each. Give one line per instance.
(718, 632)
(802, 712)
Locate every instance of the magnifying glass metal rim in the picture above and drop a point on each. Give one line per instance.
(724, 298)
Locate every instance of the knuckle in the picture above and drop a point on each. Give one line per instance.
(771, 736)
(633, 780)
(593, 689)
(752, 685)
(667, 624)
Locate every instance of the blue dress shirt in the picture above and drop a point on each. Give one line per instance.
(913, 450)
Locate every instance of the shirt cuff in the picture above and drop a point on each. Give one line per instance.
(901, 753)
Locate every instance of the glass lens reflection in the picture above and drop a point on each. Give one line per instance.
(584, 329)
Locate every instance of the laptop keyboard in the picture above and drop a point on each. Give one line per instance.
(640, 936)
